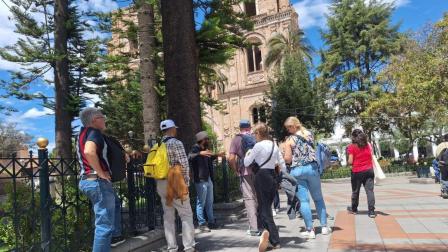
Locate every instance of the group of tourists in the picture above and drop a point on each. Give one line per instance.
(262, 166)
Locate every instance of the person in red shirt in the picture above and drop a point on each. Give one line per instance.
(360, 158)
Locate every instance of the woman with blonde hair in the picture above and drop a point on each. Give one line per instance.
(301, 154)
(266, 155)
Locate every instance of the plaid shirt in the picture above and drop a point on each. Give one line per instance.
(177, 155)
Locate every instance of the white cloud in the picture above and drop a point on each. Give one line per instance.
(312, 12)
(97, 5)
(398, 3)
(34, 113)
(9, 37)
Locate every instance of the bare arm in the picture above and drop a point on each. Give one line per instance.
(94, 161)
(288, 151)
(232, 162)
(281, 162)
(350, 159)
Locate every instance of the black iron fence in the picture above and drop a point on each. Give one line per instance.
(42, 209)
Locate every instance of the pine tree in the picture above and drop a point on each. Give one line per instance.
(360, 40)
(57, 44)
(146, 36)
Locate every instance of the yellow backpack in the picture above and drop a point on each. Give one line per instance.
(157, 163)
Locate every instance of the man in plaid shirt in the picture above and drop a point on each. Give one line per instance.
(176, 155)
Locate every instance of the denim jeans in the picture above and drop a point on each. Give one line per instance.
(308, 180)
(204, 201)
(106, 206)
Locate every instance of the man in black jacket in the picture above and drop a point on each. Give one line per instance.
(201, 158)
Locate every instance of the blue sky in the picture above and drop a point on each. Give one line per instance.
(37, 121)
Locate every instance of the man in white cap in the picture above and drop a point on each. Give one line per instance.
(176, 155)
(201, 158)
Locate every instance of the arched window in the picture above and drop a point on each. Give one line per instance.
(250, 8)
(254, 58)
(259, 114)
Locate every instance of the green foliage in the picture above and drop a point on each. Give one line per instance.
(123, 106)
(71, 228)
(419, 77)
(294, 94)
(220, 35)
(34, 51)
(360, 41)
(19, 220)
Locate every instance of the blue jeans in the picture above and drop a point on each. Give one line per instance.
(308, 180)
(204, 199)
(106, 206)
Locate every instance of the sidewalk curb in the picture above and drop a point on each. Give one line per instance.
(388, 175)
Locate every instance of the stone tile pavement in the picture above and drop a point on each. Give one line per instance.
(411, 217)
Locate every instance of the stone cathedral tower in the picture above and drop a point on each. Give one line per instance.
(247, 78)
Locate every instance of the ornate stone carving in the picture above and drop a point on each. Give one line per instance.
(255, 78)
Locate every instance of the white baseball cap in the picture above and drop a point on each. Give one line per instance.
(164, 125)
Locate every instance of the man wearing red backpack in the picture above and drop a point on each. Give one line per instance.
(241, 143)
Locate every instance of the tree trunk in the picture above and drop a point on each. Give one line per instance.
(181, 68)
(147, 69)
(61, 81)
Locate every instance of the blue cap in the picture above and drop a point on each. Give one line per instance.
(244, 123)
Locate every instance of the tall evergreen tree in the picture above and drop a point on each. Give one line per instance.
(146, 36)
(360, 40)
(63, 126)
(293, 93)
(181, 67)
(54, 44)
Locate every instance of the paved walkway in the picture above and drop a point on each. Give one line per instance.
(411, 217)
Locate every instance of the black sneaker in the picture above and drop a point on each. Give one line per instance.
(204, 228)
(117, 241)
(352, 211)
(372, 214)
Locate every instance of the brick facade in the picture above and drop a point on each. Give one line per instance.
(244, 91)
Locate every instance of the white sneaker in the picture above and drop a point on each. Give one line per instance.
(274, 213)
(326, 231)
(309, 234)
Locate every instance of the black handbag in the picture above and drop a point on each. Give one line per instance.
(255, 167)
